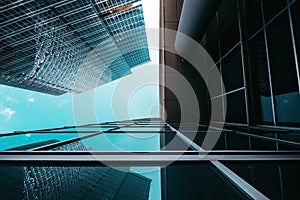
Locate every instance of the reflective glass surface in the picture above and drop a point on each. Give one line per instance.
(9, 142)
(277, 180)
(80, 182)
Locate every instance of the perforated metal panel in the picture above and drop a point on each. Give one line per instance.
(59, 46)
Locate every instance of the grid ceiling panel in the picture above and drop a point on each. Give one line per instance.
(67, 45)
(128, 30)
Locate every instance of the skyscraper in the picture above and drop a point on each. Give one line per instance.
(62, 46)
(78, 182)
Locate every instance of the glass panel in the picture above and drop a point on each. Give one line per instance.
(89, 129)
(277, 180)
(212, 48)
(283, 70)
(134, 142)
(225, 7)
(253, 16)
(236, 141)
(288, 107)
(296, 25)
(271, 8)
(214, 82)
(61, 182)
(258, 144)
(9, 142)
(171, 142)
(123, 142)
(219, 104)
(290, 136)
(258, 62)
(144, 128)
(232, 70)
(212, 28)
(212, 38)
(236, 107)
(229, 31)
(198, 181)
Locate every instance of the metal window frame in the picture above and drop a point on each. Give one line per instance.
(41, 157)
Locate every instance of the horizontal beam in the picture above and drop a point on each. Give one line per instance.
(140, 159)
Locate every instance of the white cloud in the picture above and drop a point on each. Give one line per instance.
(30, 99)
(11, 100)
(7, 113)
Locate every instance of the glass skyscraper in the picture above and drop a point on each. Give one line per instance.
(52, 182)
(70, 46)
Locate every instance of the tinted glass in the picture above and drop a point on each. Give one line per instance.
(283, 70)
(236, 107)
(258, 62)
(229, 31)
(277, 180)
(198, 181)
(232, 70)
(80, 182)
(271, 8)
(253, 16)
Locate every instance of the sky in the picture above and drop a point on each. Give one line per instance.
(138, 93)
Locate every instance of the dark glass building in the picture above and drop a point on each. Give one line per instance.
(59, 46)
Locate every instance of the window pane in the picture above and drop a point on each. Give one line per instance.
(212, 48)
(9, 142)
(283, 70)
(259, 66)
(296, 25)
(198, 181)
(236, 107)
(123, 142)
(271, 8)
(253, 16)
(214, 82)
(268, 177)
(232, 70)
(225, 8)
(229, 31)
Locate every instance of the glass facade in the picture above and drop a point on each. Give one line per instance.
(149, 159)
(59, 46)
(257, 43)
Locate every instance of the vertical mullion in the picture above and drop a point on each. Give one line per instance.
(268, 63)
(220, 63)
(243, 63)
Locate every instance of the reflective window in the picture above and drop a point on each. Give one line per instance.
(236, 107)
(272, 8)
(283, 70)
(253, 16)
(258, 62)
(277, 180)
(232, 70)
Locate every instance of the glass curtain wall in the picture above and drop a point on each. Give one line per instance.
(256, 47)
(148, 159)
